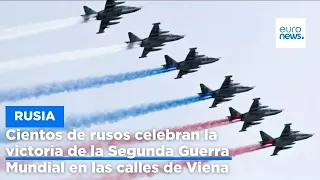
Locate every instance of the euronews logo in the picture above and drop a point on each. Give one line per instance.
(291, 32)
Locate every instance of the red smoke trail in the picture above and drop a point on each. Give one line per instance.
(186, 128)
(233, 152)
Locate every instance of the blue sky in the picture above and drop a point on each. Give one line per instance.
(243, 33)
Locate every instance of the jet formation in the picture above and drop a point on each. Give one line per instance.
(113, 10)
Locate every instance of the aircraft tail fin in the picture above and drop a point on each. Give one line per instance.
(204, 89)
(266, 138)
(88, 11)
(233, 113)
(133, 38)
(169, 62)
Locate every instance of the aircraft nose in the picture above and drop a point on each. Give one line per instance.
(181, 36)
(136, 9)
(217, 59)
(250, 88)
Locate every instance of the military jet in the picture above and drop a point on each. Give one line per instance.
(255, 113)
(156, 39)
(287, 138)
(112, 11)
(227, 90)
(193, 61)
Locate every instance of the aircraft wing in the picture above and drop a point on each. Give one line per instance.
(109, 4)
(226, 83)
(286, 130)
(280, 148)
(217, 100)
(103, 25)
(155, 30)
(255, 105)
(247, 124)
(276, 150)
(184, 72)
(181, 73)
(145, 52)
(191, 55)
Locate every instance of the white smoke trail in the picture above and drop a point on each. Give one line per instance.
(35, 28)
(31, 62)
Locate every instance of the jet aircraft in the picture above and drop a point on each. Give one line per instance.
(257, 112)
(227, 90)
(156, 39)
(193, 61)
(112, 11)
(287, 138)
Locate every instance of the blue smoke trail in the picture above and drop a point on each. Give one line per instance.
(117, 115)
(76, 85)
(99, 118)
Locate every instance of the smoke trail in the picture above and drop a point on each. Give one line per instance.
(31, 62)
(233, 152)
(114, 116)
(36, 28)
(76, 85)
